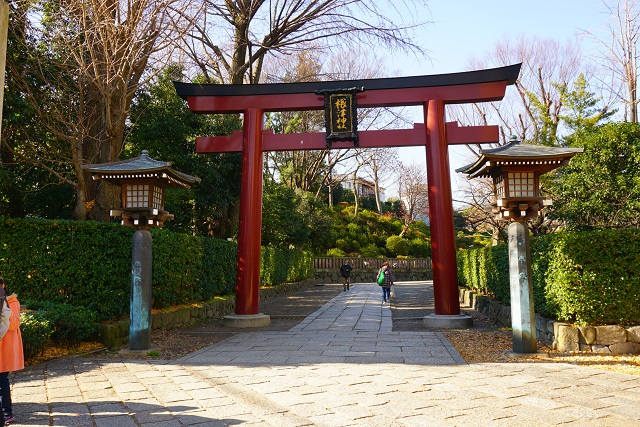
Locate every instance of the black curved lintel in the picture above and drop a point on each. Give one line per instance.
(509, 74)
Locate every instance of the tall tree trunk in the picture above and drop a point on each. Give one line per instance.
(377, 191)
(238, 65)
(633, 101)
(103, 144)
(495, 235)
(80, 209)
(356, 202)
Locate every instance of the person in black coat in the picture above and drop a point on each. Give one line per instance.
(345, 272)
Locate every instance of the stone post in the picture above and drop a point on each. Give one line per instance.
(522, 311)
(140, 304)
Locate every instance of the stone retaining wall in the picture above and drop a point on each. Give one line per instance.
(612, 339)
(322, 276)
(116, 334)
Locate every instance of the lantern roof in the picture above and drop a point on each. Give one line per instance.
(141, 167)
(515, 154)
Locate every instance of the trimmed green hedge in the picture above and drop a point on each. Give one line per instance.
(589, 278)
(284, 265)
(80, 263)
(87, 263)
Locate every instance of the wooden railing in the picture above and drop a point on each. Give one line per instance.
(331, 263)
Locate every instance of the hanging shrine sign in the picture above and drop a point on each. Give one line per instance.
(341, 114)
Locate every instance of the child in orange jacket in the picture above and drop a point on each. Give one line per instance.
(11, 353)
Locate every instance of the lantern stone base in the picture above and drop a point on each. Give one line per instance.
(447, 321)
(129, 352)
(247, 320)
(514, 355)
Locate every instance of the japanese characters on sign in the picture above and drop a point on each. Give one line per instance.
(341, 121)
(341, 114)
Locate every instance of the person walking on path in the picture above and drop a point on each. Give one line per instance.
(385, 280)
(345, 272)
(11, 353)
(5, 314)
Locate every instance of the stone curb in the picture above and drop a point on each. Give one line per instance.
(608, 339)
(116, 334)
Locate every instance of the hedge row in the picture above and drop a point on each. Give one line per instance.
(588, 278)
(284, 265)
(86, 263)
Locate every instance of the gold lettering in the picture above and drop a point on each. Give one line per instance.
(341, 113)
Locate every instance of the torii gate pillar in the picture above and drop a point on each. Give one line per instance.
(250, 226)
(443, 250)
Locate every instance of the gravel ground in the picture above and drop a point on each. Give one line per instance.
(485, 342)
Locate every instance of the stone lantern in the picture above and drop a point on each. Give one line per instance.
(515, 169)
(143, 181)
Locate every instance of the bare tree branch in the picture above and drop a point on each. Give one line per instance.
(236, 36)
(619, 54)
(414, 193)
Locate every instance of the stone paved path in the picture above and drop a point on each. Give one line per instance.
(342, 366)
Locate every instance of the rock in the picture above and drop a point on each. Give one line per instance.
(567, 338)
(625, 348)
(587, 334)
(596, 348)
(633, 334)
(541, 323)
(156, 322)
(610, 334)
(504, 315)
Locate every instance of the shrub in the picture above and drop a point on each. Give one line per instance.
(189, 268)
(370, 251)
(335, 252)
(593, 278)
(342, 245)
(88, 264)
(352, 235)
(81, 262)
(589, 278)
(396, 245)
(36, 333)
(70, 324)
(284, 265)
(419, 248)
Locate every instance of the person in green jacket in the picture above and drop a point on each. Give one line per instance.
(387, 282)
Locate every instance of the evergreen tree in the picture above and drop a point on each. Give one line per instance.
(577, 109)
(31, 187)
(163, 125)
(582, 111)
(600, 188)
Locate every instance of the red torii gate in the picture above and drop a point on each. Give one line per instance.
(432, 92)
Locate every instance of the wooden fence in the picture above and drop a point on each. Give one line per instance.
(330, 263)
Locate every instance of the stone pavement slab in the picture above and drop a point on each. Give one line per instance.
(344, 365)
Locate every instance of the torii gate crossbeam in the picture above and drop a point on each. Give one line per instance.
(431, 92)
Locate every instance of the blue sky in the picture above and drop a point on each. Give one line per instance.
(463, 29)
